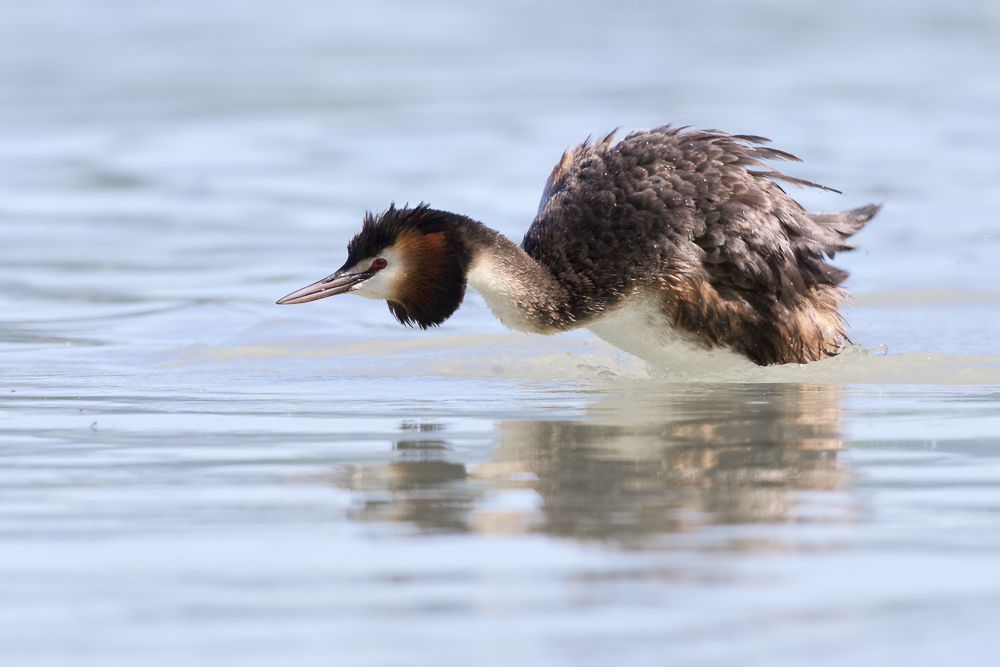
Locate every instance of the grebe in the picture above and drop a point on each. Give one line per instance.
(668, 243)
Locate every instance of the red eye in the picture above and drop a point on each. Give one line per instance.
(379, 264)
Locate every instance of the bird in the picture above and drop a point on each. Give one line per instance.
(676, 245)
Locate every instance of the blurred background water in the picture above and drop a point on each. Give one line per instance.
(192, 475)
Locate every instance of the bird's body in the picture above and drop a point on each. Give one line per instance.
(677, 246)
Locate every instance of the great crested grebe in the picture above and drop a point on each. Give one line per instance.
(668, 243)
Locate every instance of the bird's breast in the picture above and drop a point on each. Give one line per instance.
(638, 325)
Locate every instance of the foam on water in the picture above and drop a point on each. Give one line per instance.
(560, 358)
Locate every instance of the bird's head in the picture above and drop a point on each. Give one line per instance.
(413, 258)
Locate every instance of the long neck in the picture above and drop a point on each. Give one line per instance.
(522, 293)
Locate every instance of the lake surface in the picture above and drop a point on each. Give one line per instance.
(193, 475)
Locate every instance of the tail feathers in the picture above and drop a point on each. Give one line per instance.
(844, 225)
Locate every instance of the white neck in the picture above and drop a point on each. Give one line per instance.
(522, 293)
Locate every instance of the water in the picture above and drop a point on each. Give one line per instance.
(192, 475)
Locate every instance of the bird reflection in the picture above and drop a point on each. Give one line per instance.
(640, 464)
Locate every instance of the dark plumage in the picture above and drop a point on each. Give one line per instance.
(690, 221)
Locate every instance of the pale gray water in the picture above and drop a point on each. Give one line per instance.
(193, 475)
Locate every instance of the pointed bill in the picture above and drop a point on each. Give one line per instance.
(329, 286)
